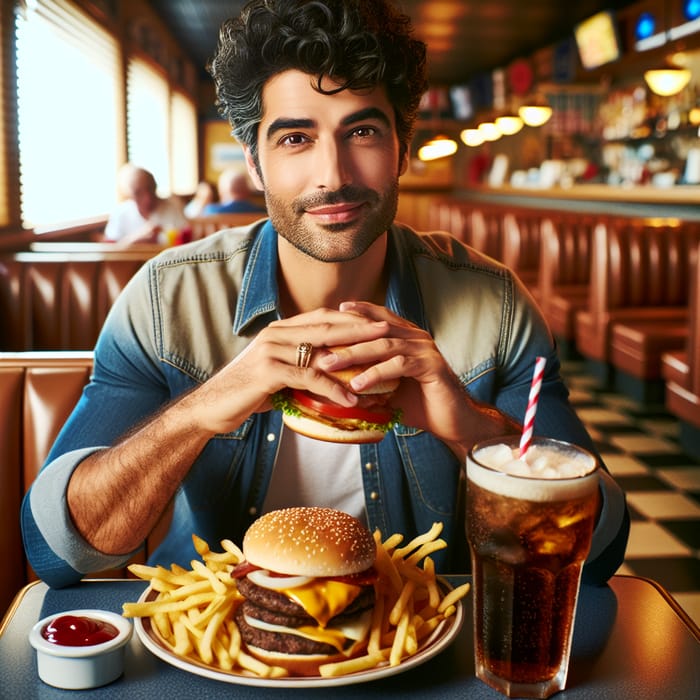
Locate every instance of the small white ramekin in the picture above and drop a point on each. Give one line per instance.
(80, 667)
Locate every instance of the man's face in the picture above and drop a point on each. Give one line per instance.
(329, 166)
(143, 193)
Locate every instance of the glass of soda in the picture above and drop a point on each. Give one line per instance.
(529, 525)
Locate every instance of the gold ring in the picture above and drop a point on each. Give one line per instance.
(304, 351)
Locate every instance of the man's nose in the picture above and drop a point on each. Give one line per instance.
(333, 165)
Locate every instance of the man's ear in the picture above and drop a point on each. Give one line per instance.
(252, 169)
(403, 163)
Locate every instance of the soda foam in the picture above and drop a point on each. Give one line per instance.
(547, 472)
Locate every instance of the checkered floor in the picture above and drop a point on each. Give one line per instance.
(639, 446)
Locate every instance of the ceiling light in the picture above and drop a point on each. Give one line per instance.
(535, 114)
(509, 124)
(667, 81)
(490, 131)
(472, 137)
(439, 147)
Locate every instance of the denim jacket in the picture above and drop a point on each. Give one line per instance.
(194, 308)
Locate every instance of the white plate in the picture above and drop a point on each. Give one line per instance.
(442, 637)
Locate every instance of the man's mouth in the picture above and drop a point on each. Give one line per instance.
(335, 213)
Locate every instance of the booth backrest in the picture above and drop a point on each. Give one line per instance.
(485, 231)
(56, 301)
(521, 244)
(38, 391)
(565, 250)
(641, 264)
(203, 226)
(639, 271)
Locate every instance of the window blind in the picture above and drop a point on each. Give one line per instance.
(148, 121)
(183, 147)
(68, 113)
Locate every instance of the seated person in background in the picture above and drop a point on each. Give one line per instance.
(179, 407)
(235, 195)
(204, 194)
(143, 215)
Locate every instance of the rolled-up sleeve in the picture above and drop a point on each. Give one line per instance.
(56, 550)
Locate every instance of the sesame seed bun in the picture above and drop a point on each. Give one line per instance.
(345, 376)
(309, 541)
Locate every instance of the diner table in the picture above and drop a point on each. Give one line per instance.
(631, 640)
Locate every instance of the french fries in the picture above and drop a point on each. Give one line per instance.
(192, 610)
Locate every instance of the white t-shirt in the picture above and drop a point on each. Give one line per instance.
(314, 473)
(125, 219)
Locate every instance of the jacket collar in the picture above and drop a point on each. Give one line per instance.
(259, 296)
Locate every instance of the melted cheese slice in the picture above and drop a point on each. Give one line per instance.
(335, 636)
(323, 599)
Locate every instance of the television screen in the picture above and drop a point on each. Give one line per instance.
(597, 40)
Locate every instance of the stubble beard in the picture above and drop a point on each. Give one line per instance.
(334, 242)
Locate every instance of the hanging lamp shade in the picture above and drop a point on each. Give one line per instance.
(667, 81)
(509, 124)
(439, 147)
(535, 114)
(471, 137)
(490, 131)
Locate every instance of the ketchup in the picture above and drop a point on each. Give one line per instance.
(73, 631)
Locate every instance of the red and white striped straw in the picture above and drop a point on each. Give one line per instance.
(529, 422)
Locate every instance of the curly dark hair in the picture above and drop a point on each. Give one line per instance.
(359, 44)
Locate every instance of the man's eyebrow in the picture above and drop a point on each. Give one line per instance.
(367, 113)
(285, 123)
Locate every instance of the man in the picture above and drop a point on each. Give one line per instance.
(143, 215)
(235, 196)
(323, 96)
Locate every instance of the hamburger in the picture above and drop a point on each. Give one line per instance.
(308, 583)
(320, 418)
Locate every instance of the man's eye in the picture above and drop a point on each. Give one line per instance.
(364, 131)
(293, 139)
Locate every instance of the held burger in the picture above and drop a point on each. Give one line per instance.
(320, 418)
(308, 581)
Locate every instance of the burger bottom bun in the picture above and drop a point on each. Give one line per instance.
(304, 664)
(327, 433)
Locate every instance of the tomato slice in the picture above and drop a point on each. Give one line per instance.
(333, 410)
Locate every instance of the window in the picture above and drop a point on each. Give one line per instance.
(68, 114)
(148, 119)
(183, 119)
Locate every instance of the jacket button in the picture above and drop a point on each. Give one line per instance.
(374, 495)
(369, 466)
(252, 510)
(271, 437)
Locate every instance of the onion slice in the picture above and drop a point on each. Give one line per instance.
(262, 577)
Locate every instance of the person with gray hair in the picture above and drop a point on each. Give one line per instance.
(143, 216)
(235, 194)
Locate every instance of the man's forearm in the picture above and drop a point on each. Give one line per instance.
(116, 496)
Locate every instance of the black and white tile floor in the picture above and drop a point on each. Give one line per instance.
(639, 446)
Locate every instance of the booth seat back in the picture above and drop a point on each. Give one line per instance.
(38, 391)
(55, 301)
(640, 270)
(521, 244)
(203, 226)
(681, 369)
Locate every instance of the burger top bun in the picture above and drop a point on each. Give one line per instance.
(346, 374)
(309, 541)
